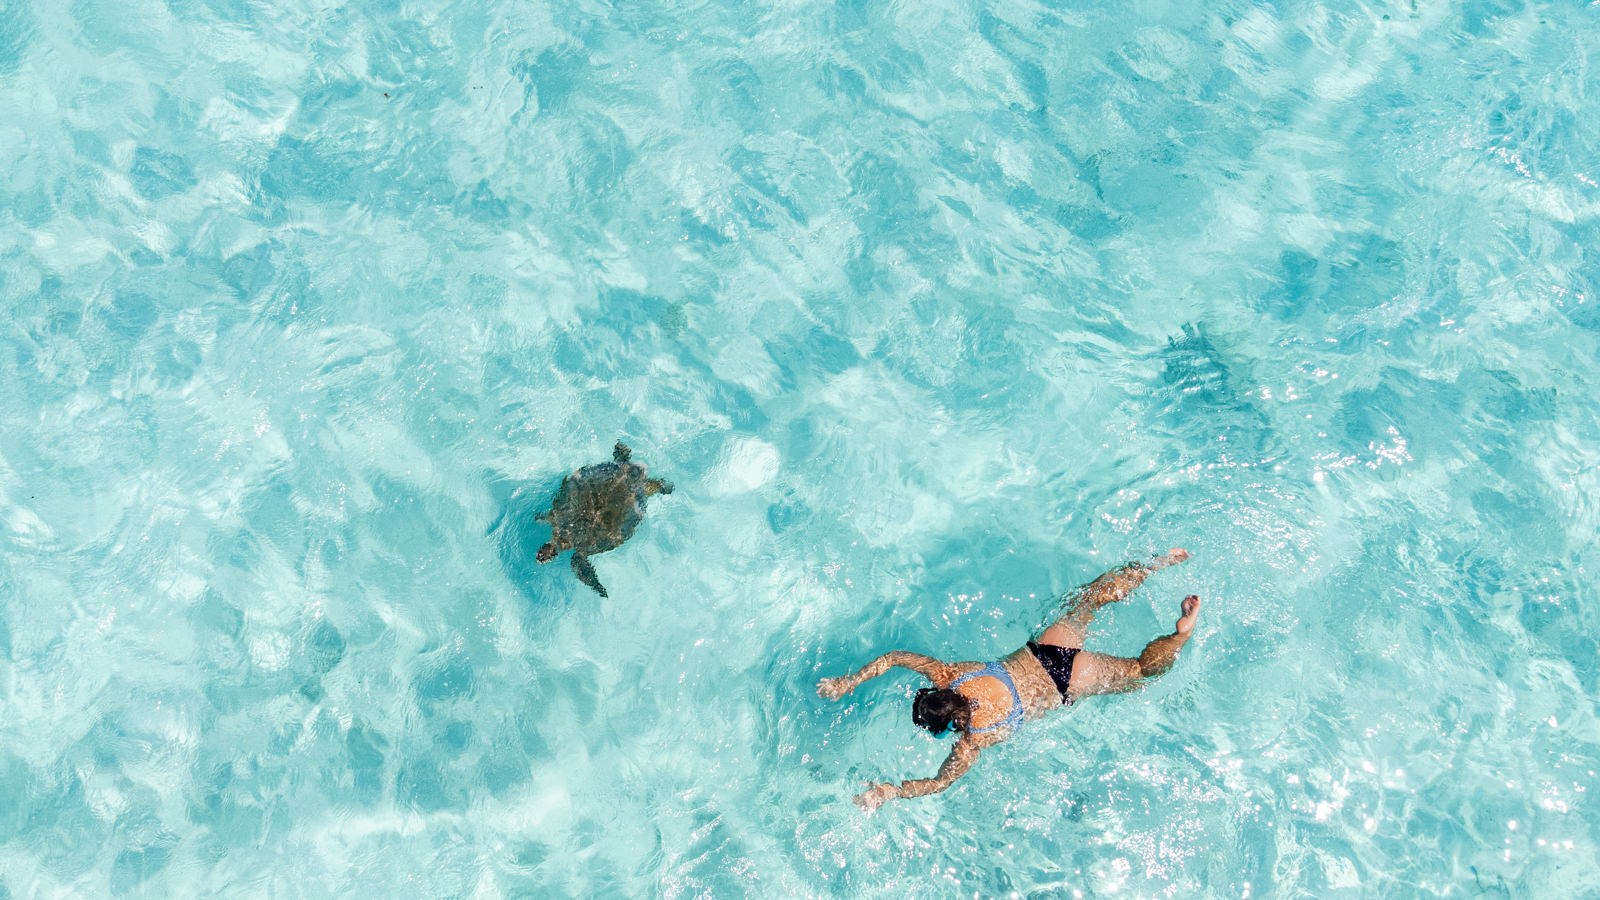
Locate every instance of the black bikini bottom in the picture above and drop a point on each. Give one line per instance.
(1058, 662)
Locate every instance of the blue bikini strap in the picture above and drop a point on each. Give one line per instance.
(995, 670)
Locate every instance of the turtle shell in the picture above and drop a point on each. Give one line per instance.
(598, 507)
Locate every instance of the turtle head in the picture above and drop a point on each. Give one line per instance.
(548, 552)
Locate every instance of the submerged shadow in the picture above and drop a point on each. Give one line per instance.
(518, 535)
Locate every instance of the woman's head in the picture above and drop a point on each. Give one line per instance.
(940, 709)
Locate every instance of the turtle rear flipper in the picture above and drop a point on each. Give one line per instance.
(585, 573)
(621, 453)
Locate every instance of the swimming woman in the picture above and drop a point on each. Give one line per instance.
(986, 702)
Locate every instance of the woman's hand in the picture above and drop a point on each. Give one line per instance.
(834, 688)
(877, 794)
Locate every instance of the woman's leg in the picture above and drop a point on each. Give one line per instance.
(1073, 626)
(1096, 673)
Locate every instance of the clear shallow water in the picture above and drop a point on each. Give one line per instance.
(931, 312)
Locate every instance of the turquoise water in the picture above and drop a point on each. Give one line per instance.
(930, 311)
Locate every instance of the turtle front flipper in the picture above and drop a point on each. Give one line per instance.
(657, 486)
(621, 453)
(585, 573)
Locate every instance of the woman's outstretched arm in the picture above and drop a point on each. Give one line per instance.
(961, 758)
(932, 669)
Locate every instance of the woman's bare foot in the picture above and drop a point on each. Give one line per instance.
(1191, 613)
(1173, 557)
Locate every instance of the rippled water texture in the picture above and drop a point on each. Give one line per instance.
(930, 310)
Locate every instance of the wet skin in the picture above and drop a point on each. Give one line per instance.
(1092, 673)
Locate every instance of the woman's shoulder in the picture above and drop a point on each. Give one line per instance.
(950, 672)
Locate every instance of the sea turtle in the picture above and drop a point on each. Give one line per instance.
(596, 509)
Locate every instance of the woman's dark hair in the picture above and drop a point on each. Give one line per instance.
(940, 709)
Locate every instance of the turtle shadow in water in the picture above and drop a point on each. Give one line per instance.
(596, 508)
(518, 534)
